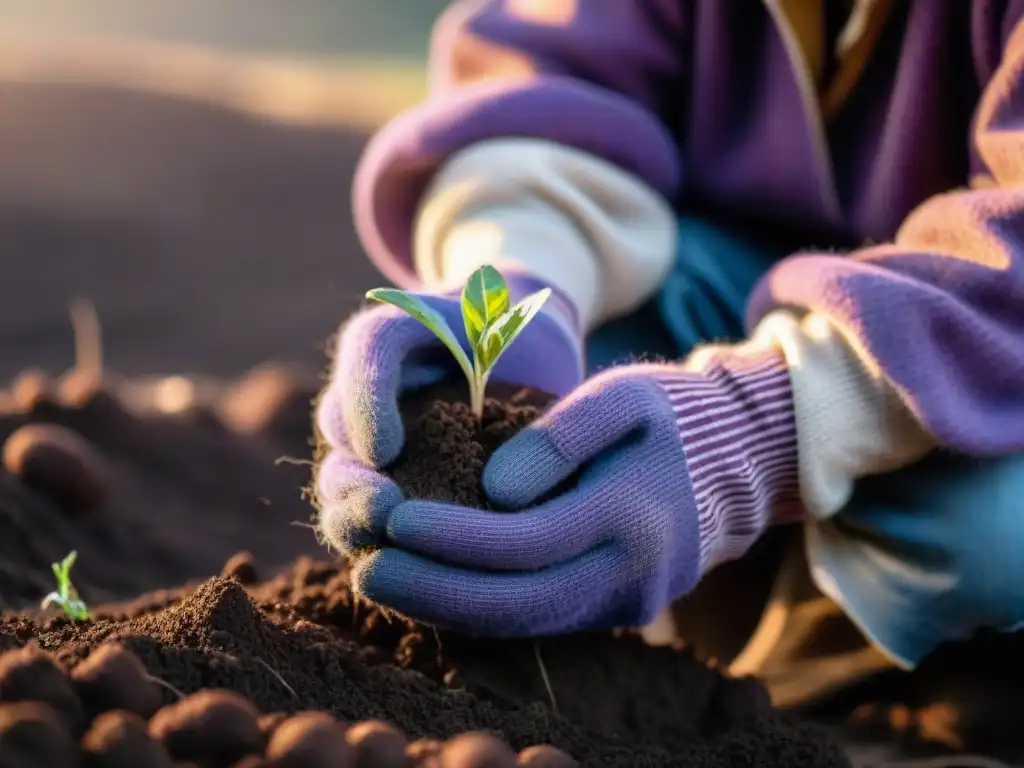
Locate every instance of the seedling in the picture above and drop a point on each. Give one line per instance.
(66, 595)
(491, 326)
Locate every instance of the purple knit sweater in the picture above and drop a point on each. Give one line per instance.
(701, 101)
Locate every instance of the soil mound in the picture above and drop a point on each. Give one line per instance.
(225, 675)
(242, 671)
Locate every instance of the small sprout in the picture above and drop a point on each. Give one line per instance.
(66, 595)
(491, 326)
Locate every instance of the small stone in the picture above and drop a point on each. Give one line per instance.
(477, 750)
(32, 734)
(423, 750)
(209, 726)
(311, 740)
(119, 740)
(32, 674)
(240, 566)
(544, 756)
(377, 745)
(31, 387)
(58, 463)
(269, 723)
(112, 677)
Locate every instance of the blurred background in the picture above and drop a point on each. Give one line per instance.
(185, 165)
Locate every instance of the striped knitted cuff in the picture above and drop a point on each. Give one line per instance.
(737, 425)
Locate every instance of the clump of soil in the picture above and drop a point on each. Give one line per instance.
(272, 675)
(447, 445)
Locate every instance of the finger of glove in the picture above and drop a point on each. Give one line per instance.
(354, 503)
(359, 408)
(535, 461)
(536, 538)
(566, 597)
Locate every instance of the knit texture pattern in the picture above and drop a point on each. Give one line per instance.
(736, 421)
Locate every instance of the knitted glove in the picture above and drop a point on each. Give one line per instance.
(676, 468)
(381, 354)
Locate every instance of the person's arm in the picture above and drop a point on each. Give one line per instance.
(931, 325)
(891, 351)
(542, 147)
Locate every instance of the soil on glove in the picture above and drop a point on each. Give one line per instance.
(243, 671)
(447, 445)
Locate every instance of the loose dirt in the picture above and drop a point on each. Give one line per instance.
(272, 662)
(446, 445)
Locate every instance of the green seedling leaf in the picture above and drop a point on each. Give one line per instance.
(504, 330)
(429, 317)
(66, 595)
(62, 570)
(484, 299)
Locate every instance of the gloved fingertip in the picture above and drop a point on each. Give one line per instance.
(405, 522)
(378, 577)
(524, 469)
(354, 519)
(376, 429)
(329, 418)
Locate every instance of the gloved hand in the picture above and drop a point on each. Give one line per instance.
(678, 469)
(382, 353)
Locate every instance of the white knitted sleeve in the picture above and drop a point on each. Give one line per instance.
(596, 232)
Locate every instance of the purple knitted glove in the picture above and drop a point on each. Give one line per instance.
(382, 353)
(676, 471)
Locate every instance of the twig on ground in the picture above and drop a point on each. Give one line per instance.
(544, 677)
(164, 684)
(277, 675)
(440, 657)
(294, 461)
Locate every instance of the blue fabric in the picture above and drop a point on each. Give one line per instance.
(927, 554)
(918, 557)
(702, 299)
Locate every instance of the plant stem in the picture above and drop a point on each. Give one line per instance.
(476, 396)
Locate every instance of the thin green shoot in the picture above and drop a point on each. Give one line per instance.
(66, 595)
(491, 324)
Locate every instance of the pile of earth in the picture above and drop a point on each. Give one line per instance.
(161, 484)
(229, 672)
(158, 485)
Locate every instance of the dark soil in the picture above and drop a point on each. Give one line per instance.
(191, 678)
(233, 671)
(149, 500)
(446, 445)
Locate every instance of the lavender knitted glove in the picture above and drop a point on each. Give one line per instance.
(678, 470)
(382, 353)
